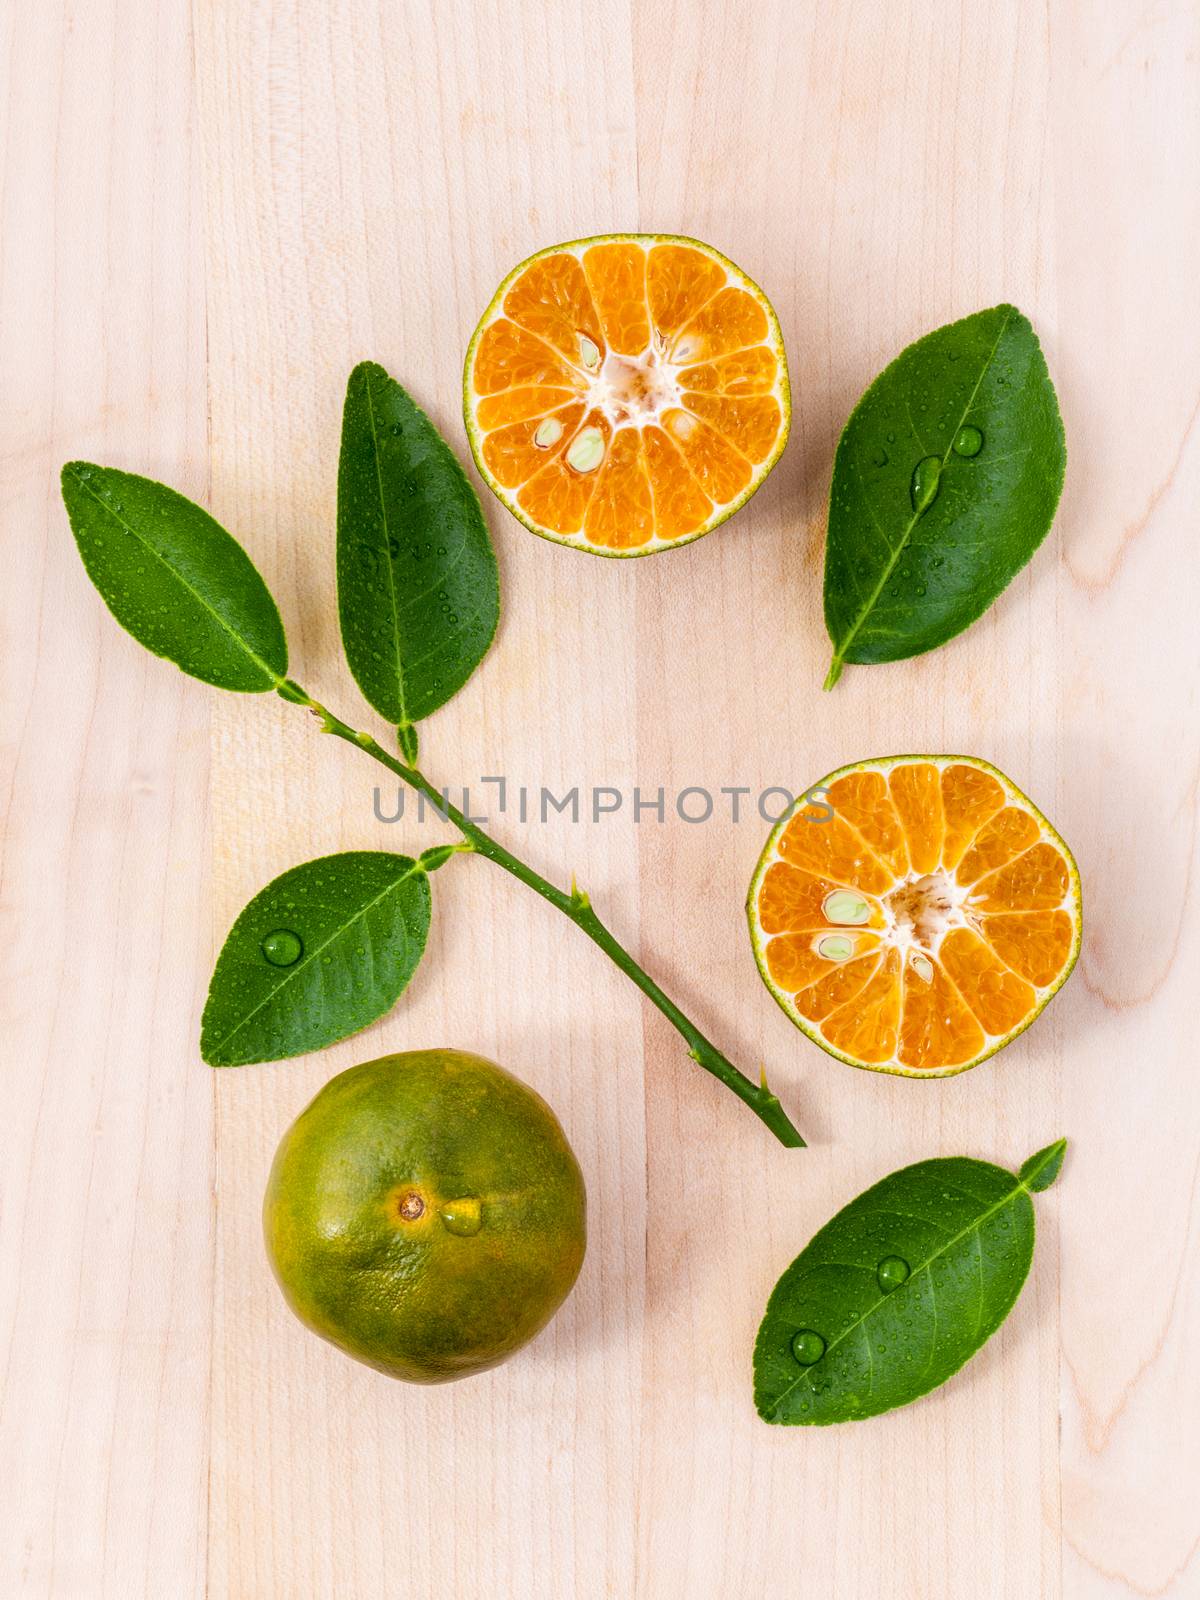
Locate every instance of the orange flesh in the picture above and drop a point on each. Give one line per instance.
(674, 358)
(952, 913)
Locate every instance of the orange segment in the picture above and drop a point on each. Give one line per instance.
(558, 490)
(862, 798)
(679, 280)
(831, 849)
(680, 504)
(519, 405)
(917, 795)
(791, 901)
(509, 357)
(920, 919)
(753, 422)
(616, 276)
(621, 513)
(835, 990)
(866, 1027)
(1008, 833)
(754, 371)
(969, 797)
(512, 453)
(796, 960)
(731, 320)
(721, 470)
(672, 346)
(552, 299)
(995, 994)
(1035, 881)
(937, 1029)
(1035, 944)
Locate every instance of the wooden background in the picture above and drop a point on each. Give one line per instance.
(206, 217)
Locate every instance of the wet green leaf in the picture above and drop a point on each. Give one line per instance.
(900, 1289)
(322, 951)
(174, 578)
(945, 482)
(418, 589)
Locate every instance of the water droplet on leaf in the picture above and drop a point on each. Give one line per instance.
(968, 441)
(283, 948)
(808, 1347)
(926, 480)
(891, 1272)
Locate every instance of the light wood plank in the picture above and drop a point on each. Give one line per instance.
(369, 171)
(106, 1180)
(371, 175)
(1127, 132)
(839, 168)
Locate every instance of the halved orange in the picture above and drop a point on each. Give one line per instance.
(625, 394)
(914, 914)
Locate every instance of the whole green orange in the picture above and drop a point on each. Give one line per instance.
(426, 1214)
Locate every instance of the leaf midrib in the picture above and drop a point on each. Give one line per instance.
(1020, 1186)
(276, 680)
(839, 654)
(387, 554)
(294, 972)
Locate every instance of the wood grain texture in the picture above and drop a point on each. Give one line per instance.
(106, 1203)
(228, 211)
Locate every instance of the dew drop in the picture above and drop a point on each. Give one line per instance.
(463, 1217)
(808, 1347)
(880, 458)
(891, 1272)
(397, 429)
(926, 480)
(282, 948)
(968, 441)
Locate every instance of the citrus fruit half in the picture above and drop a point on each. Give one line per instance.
(625, 394)
(425, 1214)
(915, 913)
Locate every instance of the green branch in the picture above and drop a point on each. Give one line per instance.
(575, 905)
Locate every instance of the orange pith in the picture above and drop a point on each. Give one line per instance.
(626, 394)
(915, 914)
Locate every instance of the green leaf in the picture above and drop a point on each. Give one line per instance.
(898, 1290)
(322, 951)
(174, 578)
(945, 482)
(418, 589)
(1040, 1171)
